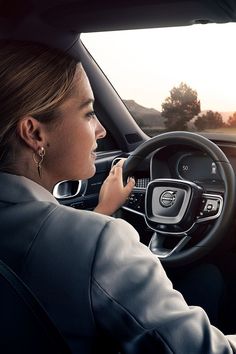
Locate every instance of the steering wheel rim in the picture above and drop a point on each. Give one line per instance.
(223, 222)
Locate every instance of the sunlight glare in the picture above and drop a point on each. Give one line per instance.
(145, 65)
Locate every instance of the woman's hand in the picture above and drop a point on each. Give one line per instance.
(113, 193)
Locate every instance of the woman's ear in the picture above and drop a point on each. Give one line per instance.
(31, 132)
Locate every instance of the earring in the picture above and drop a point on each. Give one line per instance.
(41, 154)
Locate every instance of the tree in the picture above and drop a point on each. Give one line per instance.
(232, 121)
(209, 120)
(180, 107)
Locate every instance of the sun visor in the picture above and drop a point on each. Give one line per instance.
(33, 29)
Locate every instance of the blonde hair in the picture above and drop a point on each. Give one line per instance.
(34, 80)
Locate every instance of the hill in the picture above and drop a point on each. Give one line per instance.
(145, 117)
(151, 121)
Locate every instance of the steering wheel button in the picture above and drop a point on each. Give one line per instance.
(211, 205)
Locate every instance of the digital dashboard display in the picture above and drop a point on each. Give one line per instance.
(195, 166)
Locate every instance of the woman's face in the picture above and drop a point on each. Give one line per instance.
(72, 142)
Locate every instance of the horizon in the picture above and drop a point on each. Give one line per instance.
(225, 115)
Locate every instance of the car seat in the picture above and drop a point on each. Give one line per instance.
(25, 327)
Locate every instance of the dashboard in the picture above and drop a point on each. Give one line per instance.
(176, 162)
(186, 163)
(179, 162)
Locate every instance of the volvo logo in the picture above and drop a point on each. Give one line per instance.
(167, 198)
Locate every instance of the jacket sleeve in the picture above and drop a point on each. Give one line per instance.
(134, 301)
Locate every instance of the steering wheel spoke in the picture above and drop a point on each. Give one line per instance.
(136, 202)
(158, 246)
(212, 205)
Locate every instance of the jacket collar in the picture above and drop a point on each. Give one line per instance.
(19, 189)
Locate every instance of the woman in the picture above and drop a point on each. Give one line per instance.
(99, 284)
(31, 146)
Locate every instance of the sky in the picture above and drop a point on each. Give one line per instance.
(153, 61)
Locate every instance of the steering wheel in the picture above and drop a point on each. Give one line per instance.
(177, 208)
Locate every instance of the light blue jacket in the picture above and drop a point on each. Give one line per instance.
(101, 286)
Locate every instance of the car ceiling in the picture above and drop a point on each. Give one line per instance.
(101, 15)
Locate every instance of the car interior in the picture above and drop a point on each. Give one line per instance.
(184, 200)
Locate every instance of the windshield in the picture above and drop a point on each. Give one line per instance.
(179, 78)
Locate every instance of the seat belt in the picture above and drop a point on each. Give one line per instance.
(36, 309)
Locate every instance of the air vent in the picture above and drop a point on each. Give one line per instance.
(67, 189)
